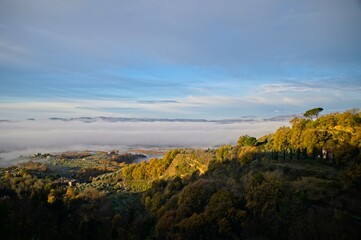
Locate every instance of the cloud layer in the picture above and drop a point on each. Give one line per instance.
(183, 32)
(26, 137)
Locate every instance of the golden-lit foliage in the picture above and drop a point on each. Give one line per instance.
(247, 154)
(335, 137)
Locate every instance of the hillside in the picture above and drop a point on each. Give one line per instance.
(302, 182)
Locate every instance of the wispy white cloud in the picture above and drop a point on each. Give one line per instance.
(262, 100)
(276, 100)
(287, 88)
(11, 47)
(92, 108)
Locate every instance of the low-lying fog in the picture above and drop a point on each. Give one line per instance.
(27, 137)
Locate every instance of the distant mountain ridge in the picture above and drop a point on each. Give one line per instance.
(191, 120)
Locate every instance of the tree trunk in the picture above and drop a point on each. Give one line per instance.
(298, 154)
(291, 154)
(305, 155)
(314, 153)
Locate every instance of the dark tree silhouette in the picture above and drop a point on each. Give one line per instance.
(313, 113)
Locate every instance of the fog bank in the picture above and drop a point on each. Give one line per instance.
(26, 137)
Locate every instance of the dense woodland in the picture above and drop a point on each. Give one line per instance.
(301, 182)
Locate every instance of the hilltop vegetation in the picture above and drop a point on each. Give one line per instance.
(301, 182)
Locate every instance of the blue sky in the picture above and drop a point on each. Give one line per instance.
(178, 59)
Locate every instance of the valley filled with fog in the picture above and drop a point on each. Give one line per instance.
(58, 135)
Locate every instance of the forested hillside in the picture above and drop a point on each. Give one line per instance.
(301, 182)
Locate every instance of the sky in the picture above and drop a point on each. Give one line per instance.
(178, 59)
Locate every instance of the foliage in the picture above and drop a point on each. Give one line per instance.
(335, 138)
(149, 170)
(352, 176)
(246, 140)
(313, 112)
(224, 152)
(247, 154)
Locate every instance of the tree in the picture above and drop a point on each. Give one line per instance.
(247, 154)
(280, 141)
(313, 113)
(246, 140)
(223, 152)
